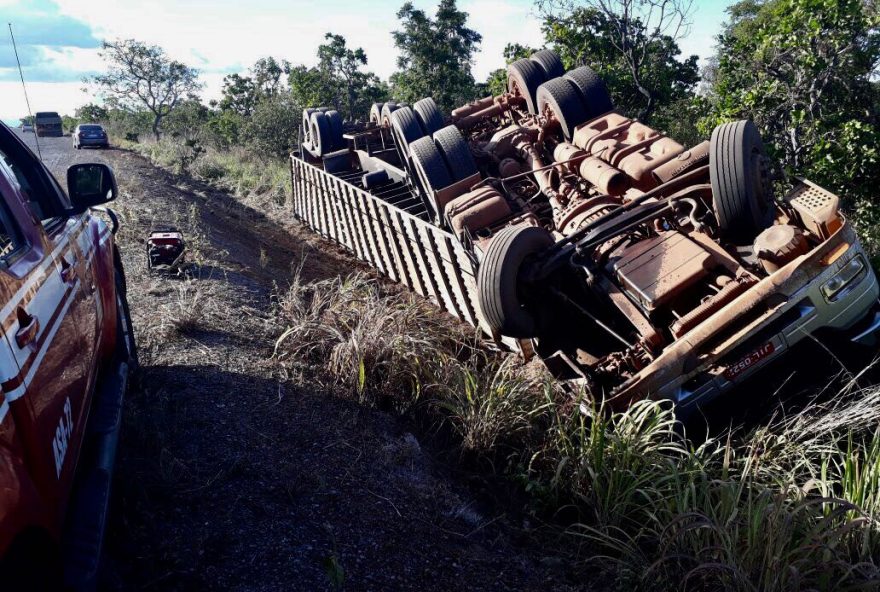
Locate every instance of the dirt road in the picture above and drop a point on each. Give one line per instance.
(229, 478)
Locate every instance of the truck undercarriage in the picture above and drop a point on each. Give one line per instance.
(626, 261)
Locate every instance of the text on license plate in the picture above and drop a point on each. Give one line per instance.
(748, 361)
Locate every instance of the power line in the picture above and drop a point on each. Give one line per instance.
(24, 88)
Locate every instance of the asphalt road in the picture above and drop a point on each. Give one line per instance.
(59, 153)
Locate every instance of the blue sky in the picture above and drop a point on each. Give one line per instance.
(58, 40)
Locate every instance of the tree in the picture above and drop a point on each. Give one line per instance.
(241, 94)
(188, 119)
(355, 90)
(804, 71)
(633, 44)
(337, 80)
(436, 56)
(142, 76)
(497, 81)
(271, 130)
(91, 112)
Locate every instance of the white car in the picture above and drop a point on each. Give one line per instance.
(27, 127)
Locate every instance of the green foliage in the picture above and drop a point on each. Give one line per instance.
(435, 56)
(68, 123)
(337, 80)
(223, 128)
(643, 75)
(353, 91)
(271, 131)
(141, 76)
(242, 93)
(92, 113)
(497, 81)
(188, 119)
(803, 71)
(26, 119)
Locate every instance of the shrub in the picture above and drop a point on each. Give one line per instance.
(271, 131)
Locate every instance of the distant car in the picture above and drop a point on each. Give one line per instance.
(48, 123)
(90, 134)
(27, 127)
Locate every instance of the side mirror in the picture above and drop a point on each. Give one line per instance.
(90, 185)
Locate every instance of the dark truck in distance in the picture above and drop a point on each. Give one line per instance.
(48, 123)
(65, 355)
(629, 263)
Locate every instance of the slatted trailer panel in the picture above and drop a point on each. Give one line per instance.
(390, 231)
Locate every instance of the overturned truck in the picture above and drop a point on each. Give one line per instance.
(627, 262)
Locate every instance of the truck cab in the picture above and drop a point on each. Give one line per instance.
(48, 123)
(65, 356)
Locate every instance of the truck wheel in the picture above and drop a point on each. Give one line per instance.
(739, 172)
(321, 138)
(431, 171)
(335, 121)
(455, 152)
(405, 128)
(549, 62)
(429, 115)
(307, 124)
(592, 90)
(502, 303)
(376, 113)
(387, 109)
(523, 78)
(563, 99)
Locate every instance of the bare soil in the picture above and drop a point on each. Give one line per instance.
(230, 477)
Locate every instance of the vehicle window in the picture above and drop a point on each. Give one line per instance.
(43, 195)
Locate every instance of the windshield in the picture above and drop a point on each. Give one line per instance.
(47, 115)
(91, 128)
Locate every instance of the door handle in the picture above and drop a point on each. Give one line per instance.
(28, 327)
(68, 270)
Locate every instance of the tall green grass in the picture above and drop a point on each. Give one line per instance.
(791, 505)
(235, 170)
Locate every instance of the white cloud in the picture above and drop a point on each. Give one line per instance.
(63, 97)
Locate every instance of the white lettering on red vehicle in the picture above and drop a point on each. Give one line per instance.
(62, 436)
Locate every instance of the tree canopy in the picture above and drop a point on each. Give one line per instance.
(804, 71)
(142, 76)
(436, 56)
(632, 44)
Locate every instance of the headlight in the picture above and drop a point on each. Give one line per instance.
(851, 273)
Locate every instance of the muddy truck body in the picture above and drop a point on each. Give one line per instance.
(627, 262)
(65, 355)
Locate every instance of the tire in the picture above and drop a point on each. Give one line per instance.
(456, 153)
(524, 77)
(739, 172)
(549, 62)
(405, 129)
(335, 121)
(387, 109)
(499, 291)
(592, 89)
(431, 171)
(321, 134)
(307, 124)
(376, 113)
(429, 115)
(564, 100)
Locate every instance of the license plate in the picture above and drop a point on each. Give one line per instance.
(748, 361)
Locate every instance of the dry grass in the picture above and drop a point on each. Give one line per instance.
(789, 506)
